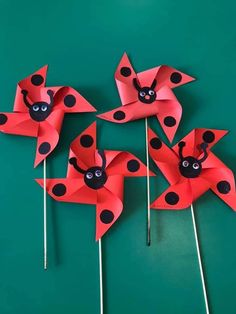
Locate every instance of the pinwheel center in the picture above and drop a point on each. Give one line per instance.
(190, 167)
(146, 95)
(39, 111)
(95, 178)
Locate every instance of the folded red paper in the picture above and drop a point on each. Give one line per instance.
(95, 177)
(148, 93)
(191, 169)
(39, 111)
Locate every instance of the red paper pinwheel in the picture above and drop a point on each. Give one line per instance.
(148, 93)
(39, 111)
(192, 169)
(95, 177)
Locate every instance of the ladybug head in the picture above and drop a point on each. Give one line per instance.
(39, 111)
(94, 177)
(146, 94)
(191, 167)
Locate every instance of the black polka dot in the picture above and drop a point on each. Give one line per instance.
(86, 140)
(223, 187)
(69, 101)
(59, 189)
(37, 79)
(3, 119)
(125, 71)
(44, 148)
(169, 121)
(106, 216)
(133, 165)
(176, 77)
(172, 198)
(156, 143)
(119, 115)
(208, 137)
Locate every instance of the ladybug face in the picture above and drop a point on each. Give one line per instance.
(39, 111)
(146, 94)
(191, 167)
(95, 178)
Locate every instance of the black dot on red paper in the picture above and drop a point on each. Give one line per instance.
(172, 198)
(37, 79)
(106, 216)
(3, 119)
(208, 136)
(156, 143)
(69, 101)
(86, 140)
(44, 148)
(169, 121)
(125, 71)
(119, 115)
(175, 77)
(223, 187)
(133, 165)
(59, 189)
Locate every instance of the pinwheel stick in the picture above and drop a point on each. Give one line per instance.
(44, 215)
(148, 188)
(200, 261)
(100, 275)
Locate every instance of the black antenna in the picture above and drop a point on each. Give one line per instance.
(136, 84)
(204, 147)
(50, 94)
(102, 154)
(154, 84)
(25, 93)
(181, 146)
(73, 162)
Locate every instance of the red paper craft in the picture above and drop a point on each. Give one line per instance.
(148, 93)
(95, 177)
(39, 111)
(192, 169)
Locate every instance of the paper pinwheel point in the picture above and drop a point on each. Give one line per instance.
(39, 111)
(95, 177)
(191, 169)
(148, 93)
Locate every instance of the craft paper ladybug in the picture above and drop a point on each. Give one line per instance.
(148, 93)
(95, 177)
(192, 169)
(39, 111)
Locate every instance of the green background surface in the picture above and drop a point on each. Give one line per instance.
(83, 41)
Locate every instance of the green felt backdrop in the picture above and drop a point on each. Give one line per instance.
(83, 41)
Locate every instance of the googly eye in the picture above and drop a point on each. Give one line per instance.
(151, 92)
(35, 108)
(89, 175)
(185, 163)
(196, 165)
(98, 173)
(142, 94)
(44, 108)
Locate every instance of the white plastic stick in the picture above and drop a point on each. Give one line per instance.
(44, 215)
(200, 261)
(148, 188)
(100, 275)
